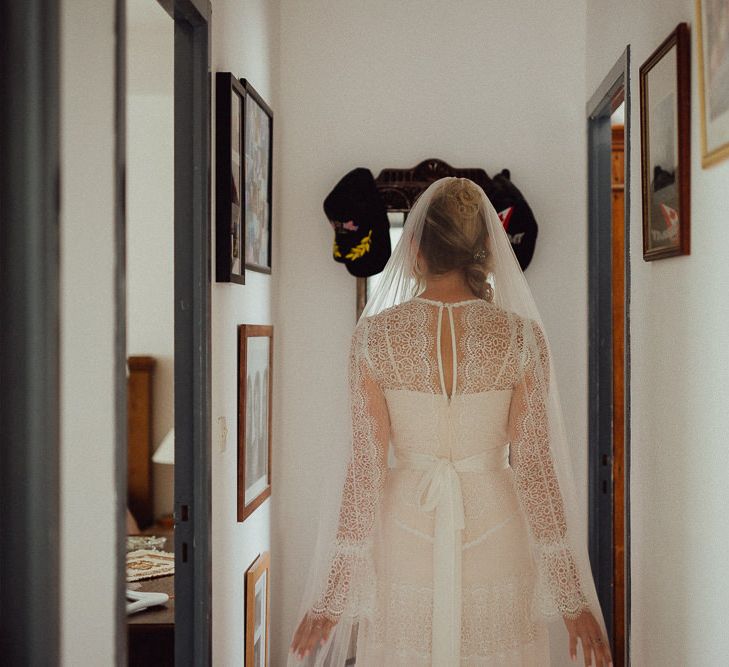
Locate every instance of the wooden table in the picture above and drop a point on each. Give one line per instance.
(151, 633)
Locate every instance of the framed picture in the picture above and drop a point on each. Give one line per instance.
(255, 359)
(229, 241)
(712, 23)
(665, 102)
(256, 612)
(257, 179)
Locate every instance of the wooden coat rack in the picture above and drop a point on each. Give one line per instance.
(400, 187)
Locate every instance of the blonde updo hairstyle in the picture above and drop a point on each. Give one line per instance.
(454, 236)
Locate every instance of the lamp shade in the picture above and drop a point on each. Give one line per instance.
(165, 453)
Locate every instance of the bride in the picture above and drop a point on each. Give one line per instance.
(449, 530)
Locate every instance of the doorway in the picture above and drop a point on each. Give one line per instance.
(180, 437)
(608, 124)
(149, 259)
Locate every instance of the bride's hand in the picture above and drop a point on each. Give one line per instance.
(587, 629)
(312, 630)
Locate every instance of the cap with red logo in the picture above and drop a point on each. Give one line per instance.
(515, 214)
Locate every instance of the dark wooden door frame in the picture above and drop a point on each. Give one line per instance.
(192, 286)
(599, 109)
(193, 594)
(29, 333)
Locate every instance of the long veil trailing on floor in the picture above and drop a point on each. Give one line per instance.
(342, 578)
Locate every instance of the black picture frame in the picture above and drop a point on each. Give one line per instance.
(229, 237)
(666, 188)
(257, 152)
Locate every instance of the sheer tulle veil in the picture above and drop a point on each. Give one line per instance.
(342, 578)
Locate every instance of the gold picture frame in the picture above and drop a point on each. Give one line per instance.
(257, 627)
(712, 41)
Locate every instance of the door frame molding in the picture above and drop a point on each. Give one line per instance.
(29, 334)
(600, 374)
(193, 357)
(192, 314)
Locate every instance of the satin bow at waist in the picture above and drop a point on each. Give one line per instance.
(494, 458)
(439, 489)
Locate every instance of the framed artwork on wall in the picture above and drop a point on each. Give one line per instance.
(712, 25)
(665, 103)
(257, 635)
(255, 366)
(229, 239)
(257, 179)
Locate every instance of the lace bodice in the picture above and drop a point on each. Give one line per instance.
(401, 346)
(449, 380)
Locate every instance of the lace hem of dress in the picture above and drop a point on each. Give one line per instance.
(498, 619)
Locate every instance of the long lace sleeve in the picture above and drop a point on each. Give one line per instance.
(536, 479)
(351, 556)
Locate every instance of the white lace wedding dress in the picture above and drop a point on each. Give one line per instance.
(446, 482)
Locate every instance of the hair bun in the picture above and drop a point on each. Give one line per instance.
(461, 197)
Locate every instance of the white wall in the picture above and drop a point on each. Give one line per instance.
(380, 85)
(88, 499)
(245, 42)
(150, 211)
(383, 84)
(680, 374)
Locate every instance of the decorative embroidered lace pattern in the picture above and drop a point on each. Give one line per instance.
(396, 350)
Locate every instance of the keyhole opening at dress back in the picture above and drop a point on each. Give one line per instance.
(446, 351)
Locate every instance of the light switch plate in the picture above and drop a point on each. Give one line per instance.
(222, 434)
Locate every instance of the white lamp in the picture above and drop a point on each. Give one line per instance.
(165, 453)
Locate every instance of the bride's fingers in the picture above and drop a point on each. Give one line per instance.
(302, 638)
(311, 633)
(585, 643)
(603, 650)
(311, 640)
(595, 653)
(595, 646)
(318, 632)
(586, 650)
(599, 643)
(573, 646)
(601, 657)
(298, 635)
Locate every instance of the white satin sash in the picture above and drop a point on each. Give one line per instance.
(439, 489)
